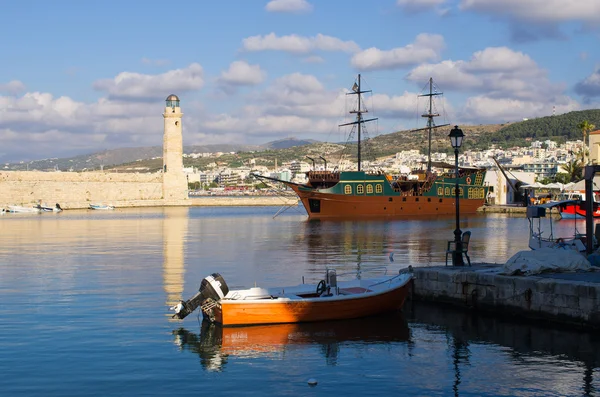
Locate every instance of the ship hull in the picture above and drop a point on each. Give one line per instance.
(577, 211)
(320, 205)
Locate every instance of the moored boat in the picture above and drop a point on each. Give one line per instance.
(22, 209)
(45, 208)
(101, 207)
(366, 194)
(576, 209)
(546, 238)
(329, 299)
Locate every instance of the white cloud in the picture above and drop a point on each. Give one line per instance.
(127, 85)
(590, 86)
(397, 106)
(419, 5)
(296, 104)
(293, 6)
(298, 95)
(223, 123)
(498, 71)
(76, 126)
(483, 109)
(299, 82)
(509, 86)
(538, 19)
(265, 126)
(313, 59)
(12, 87)
(427, 47)
(500, 59)
(538, 10)
(297, 44)
(451, 73)
(240, 73)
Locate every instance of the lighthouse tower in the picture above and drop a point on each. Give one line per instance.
(174, 181)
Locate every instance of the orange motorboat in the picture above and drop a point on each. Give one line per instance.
(329, 299)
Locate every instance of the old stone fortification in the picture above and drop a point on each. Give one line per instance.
(74, 190)
(80, 189)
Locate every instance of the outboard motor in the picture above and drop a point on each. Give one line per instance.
(212, 289)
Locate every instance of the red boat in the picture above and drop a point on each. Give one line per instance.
(576, 210)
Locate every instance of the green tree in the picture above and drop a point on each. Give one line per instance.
(574, 170)
(563, 178)
(193, 185)
(585, 127)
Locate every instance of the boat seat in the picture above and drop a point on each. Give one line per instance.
(451, 249)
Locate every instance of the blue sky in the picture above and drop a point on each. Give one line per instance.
(79, 76)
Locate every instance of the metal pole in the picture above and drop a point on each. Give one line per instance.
(457, 258)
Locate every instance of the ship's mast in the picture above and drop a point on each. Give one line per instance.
(430, 123)
(359, 120)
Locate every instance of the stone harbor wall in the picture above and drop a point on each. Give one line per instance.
(574, 300)
(80, 189)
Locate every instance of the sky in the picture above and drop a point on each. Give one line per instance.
(79, 77)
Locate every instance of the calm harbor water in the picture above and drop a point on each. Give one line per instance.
(85, 297)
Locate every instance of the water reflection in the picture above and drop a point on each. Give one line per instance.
(84, 290)
(418, 240)
(175, 225)
(528, 345)
(215, 344)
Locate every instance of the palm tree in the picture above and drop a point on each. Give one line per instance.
(586, 127)
(574, 170)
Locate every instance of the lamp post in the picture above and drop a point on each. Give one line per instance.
(456, 137)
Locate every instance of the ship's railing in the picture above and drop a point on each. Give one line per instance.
(323, 175)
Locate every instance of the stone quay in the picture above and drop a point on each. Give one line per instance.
(566, 298)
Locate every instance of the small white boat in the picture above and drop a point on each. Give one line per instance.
(101, 207)
(539, 238)
(45, 208)
(21, 209)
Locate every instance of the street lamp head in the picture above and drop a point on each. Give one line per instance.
(456, 137)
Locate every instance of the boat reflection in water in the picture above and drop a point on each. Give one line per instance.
(215, 343)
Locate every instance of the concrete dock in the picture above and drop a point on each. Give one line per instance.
(568, 298)
(503, 209)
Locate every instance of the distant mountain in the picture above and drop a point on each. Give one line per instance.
(108, 158)
(288, 143)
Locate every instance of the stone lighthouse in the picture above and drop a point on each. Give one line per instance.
(174, 181)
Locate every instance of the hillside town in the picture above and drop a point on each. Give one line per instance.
(542, 162)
